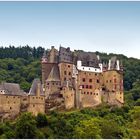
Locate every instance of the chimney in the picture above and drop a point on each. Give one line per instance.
(109, 65)
(98, 57)
(118, 65)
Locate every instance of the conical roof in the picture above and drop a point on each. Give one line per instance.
(34, 87)
(54, 74)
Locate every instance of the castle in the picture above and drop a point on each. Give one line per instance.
(81, 79)
(69, 80)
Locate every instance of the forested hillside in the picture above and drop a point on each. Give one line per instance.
(22, 64)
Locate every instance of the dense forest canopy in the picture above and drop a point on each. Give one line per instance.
(103, 122)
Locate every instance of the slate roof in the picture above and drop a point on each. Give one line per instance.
(113, 62)
(34, 87)
(11, 88)
(88, 59)
(47, 69)
(54, 74)
(65, 55)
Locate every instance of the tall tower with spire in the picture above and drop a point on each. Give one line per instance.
(44, 61)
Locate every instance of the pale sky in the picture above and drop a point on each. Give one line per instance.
(111, 27)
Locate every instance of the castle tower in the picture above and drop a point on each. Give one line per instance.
(44, 61)
(53, 55)
(113, 81)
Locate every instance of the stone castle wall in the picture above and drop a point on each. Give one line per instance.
(69, 96)
(10, 104)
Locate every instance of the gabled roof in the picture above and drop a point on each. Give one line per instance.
(33, 89)
(88, 58)
(11, 88)
(54, 74)
(113, 62)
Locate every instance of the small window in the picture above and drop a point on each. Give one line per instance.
(10, 108)
(82, 86)
(84, 92)
(90, 93)
(95, 74)
(65, 72)
(90, 80)
(13, 96)
(33, 105)
(86, 86)
(106, 81)
(68, 66)
(110, 81)
(47, 83)
(69, 73)
(36, 97)
(83, 68)
(53, 83)
(115, 87)
(64, 78)
(96, 93)
(84, 79)
(33, 97)
(6, 96)
(90, 86)
(87, 92)
(98, 81)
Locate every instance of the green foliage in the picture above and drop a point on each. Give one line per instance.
(88, 129)
(115, 123)
(22, 71)
(26, 127)
(41, 120)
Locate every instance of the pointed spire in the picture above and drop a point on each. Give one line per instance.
(44, 57)
(44, 54)
(121, 65)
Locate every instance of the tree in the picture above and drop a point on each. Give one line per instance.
(26, 127)
(88, 129)
(41, 120)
